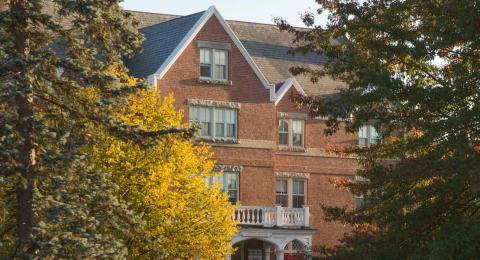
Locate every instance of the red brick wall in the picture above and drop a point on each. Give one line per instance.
(258, 121)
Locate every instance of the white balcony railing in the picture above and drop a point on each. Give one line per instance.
(272, 216)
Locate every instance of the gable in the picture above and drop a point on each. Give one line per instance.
(164, 57)
(281, 89)
(242, 85)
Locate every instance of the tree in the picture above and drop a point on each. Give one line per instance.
(56, 83)
(411, 68)
(165, 184)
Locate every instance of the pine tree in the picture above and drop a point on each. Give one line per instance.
(56, 83)
(411, 68)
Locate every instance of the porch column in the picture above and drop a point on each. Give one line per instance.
(280, 254)
(266, 252)
(228, 257)
(306, 212)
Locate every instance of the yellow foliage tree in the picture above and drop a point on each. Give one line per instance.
(183, 218)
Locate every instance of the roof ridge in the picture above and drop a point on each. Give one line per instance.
(144, 12)
(172, 20)
(177, 16)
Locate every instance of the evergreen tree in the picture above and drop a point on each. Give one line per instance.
(411, 68)
(56, 84)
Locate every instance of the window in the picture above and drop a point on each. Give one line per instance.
(368, 135)
(359, 199)
(283, 132)
(290, 192)
(202, 115)
(297, 133)
(298, 193)
(215, 122)
(213, 64)
(228, 182)
(281, 193)
(205, 63)
(290, 132)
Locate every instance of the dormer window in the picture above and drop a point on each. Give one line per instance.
(213, 64)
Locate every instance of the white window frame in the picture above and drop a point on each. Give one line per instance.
(213, 65)
(369, 138)
(290, 132)
(290, 190)
(213, 121)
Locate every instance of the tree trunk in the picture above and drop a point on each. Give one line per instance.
(24, 103)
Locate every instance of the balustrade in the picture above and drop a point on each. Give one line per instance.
(272, 216)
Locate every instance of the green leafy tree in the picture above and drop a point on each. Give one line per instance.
(56, 84)
(411, 68)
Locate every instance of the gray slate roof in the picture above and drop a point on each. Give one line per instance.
(160, 41)
(266, 44)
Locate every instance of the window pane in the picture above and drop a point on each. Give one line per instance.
(206, 129)
(230, 120)
(374, 135)
(283, 138)
(193, 113)
(205, 71)
(220, 72)
(281, 186)
(230, 116)
(232, 186)
(363, 142)
(219, 122)
(201, 115)
(283, 132)
(298, 187)
(204, 114)
(205, 63)
(281, 200)
(232, 181)
(219, 115)
(216, 180)
(359, 200)
(298, 201)
(297, 139)
(231, 130)
(205, 55)
(204, 118)
(220, 57)
(283, 126)
(219, 130)
(362, 133)
(368, 135)
(297, 127)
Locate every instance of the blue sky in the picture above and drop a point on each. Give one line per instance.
(261, 11)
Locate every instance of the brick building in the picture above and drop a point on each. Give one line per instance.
(233, 77)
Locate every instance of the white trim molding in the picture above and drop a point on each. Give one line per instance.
(299, 175)
(213, 103)
(227, 168)
(289, 83)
